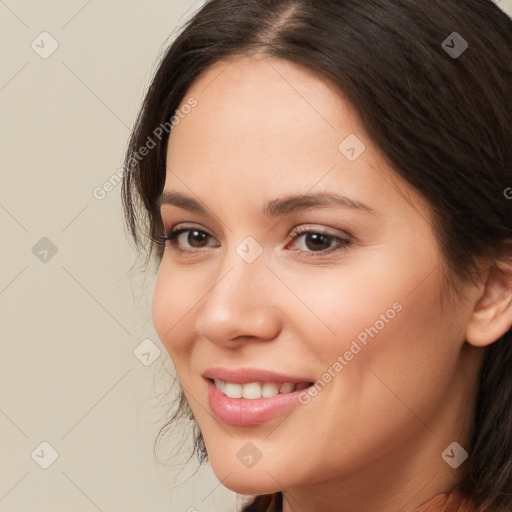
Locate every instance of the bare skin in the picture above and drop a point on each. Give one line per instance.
(372, 438)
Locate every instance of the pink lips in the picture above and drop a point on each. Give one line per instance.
(247, 412)
(246, 375)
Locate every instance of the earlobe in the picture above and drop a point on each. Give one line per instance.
(492, 314)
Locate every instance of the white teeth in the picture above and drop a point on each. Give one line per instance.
(269, 389)
(255, 390)
(252, 390)
(233, 390)
(220, 384)
(286, 387)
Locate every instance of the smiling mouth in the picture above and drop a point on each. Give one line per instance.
(256, 390)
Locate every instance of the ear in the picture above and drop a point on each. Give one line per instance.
(492, 314)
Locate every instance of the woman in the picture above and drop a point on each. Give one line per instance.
(326, 188)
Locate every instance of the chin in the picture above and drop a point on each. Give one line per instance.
(248, 481)
(249, 484)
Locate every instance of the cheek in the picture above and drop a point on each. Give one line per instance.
(408, 352)
(357, 302)
(383, 317)
(172, 308)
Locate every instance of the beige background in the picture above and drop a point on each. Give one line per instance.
(70, 321)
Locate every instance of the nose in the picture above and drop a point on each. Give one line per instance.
(239, 305)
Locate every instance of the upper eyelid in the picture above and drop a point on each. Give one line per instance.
(299, 227)
(343, 233)
(184, 225)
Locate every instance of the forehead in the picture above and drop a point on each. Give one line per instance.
(257, 100)
(264, 127)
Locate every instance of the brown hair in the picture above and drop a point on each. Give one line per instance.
(443, 121)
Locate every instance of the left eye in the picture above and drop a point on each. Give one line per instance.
(318, 241)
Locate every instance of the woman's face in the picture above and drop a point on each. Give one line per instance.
(342, 291)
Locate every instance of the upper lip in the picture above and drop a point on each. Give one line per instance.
(247, 375)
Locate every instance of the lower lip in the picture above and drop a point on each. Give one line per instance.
(247, 412)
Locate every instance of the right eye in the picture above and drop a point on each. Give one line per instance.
(195, 238)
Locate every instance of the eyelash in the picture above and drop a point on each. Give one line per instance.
(344, 243)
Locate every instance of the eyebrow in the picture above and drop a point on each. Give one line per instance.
(273, 208)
